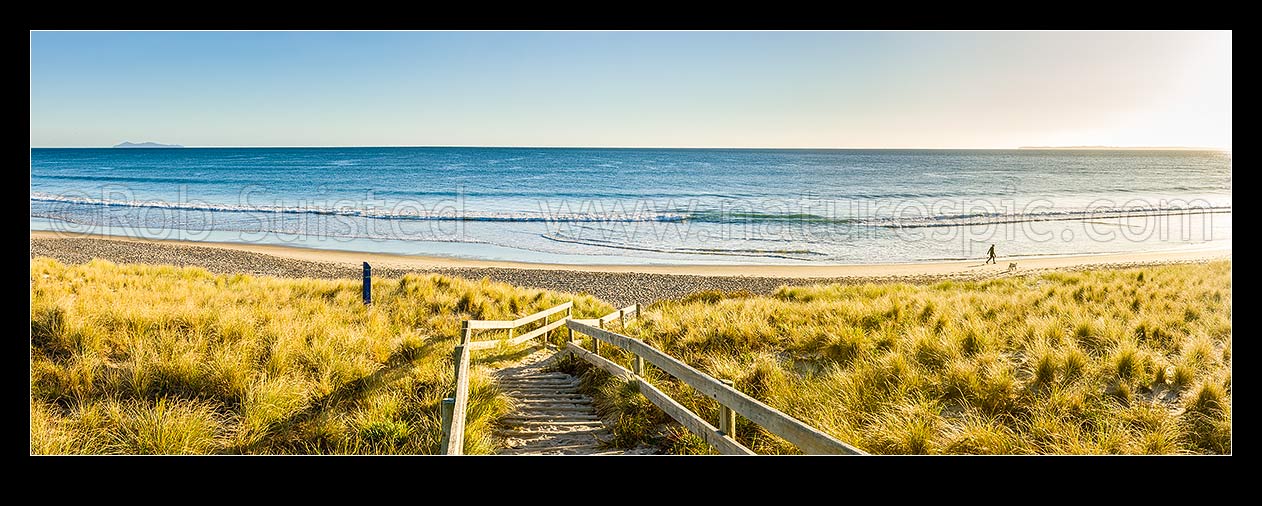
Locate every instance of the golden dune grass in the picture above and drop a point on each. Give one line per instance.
(156, 359)
(1133, 361)
(140, 359)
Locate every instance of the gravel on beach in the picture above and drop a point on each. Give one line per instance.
(618, 288)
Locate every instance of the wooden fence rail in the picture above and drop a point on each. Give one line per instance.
(620, 315)
(454, 416)
(809, 439)
(509, 324)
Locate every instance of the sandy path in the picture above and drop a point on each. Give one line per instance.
(551, 416)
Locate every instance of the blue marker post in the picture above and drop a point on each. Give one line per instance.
(367, 284)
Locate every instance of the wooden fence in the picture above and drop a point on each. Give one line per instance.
(512, 325)
(621, 315)
(731, 401)
(454, 408)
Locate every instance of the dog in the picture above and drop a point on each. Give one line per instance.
(1012, 267)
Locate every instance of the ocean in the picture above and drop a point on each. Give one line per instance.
(644, 206)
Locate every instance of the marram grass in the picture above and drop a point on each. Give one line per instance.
(162, 360)
(1131, 361)
(138, 359)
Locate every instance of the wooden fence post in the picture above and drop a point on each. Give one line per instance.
(622, 320)
(637, 367)
(596, 342)
(465, 332)
(447, 407)
(547, 335)
(727, 417)
(455, 357)
(367, 284)
(569, 315)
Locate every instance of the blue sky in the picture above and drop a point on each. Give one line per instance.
(678, 89)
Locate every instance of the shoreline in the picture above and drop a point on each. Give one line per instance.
(949, 268)
(620, 285)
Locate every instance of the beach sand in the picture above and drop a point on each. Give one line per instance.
(617, 284)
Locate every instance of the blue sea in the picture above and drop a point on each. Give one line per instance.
(643, 206)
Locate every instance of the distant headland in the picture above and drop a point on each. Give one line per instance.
(1128, 148)
(126, 144)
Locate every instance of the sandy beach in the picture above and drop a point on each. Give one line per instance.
(618, 284)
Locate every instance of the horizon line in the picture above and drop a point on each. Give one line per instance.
(1006, 148)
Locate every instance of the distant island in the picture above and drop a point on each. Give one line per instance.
(1125, 148)
(126, 144)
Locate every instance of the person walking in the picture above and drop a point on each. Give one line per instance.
(991, 260)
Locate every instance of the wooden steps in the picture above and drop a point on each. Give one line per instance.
(551, 416)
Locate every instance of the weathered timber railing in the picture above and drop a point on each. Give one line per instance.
(731, 401)
(621, 315)
(511, 326)
(454, 408)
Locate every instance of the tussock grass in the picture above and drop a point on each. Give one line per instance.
(141, 359)
(1132, 361)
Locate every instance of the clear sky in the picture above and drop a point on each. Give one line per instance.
(677, 89)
